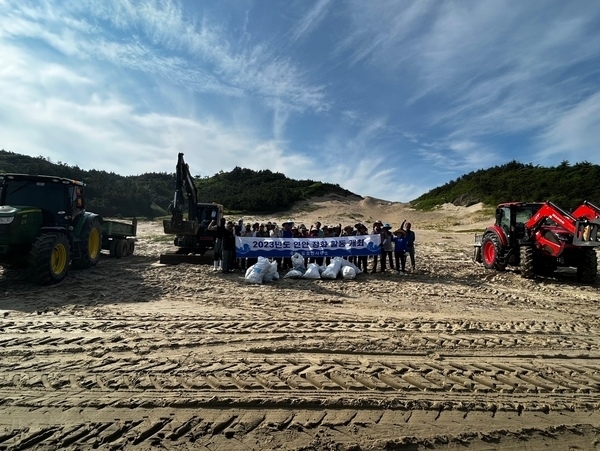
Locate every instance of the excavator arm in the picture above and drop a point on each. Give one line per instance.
(184, 183)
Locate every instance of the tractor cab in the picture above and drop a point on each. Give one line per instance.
(512, 217)
(57, 200)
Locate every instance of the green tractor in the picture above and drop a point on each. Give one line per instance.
(44, 226)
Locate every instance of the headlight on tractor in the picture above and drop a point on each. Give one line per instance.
(6, 219)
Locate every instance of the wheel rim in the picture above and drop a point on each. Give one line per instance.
(59, 259)
(489, 252)
(94, 243)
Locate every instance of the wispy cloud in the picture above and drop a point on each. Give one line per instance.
(311, 19)
(197, 57)
(573, 136)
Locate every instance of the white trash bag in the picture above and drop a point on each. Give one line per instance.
(256, 272)
(312, 272)
(293, 274)
(298, 262)
(346, 263)
(333, 268)
(348, 272)
(271, 272)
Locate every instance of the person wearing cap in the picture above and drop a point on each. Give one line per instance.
(387, 247)
(377, 231)
(410, 241)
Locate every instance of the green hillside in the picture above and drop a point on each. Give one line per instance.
(566, 185)
(148, 195)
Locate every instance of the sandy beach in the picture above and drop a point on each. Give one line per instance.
(133, 354)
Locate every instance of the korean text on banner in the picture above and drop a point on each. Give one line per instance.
(340, 246)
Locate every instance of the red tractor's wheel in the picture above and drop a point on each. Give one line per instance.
(491, 250)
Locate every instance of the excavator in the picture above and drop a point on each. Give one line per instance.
(540, 237)
(192, 237)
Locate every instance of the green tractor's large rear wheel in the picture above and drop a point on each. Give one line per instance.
(91, 245)
(49, 258)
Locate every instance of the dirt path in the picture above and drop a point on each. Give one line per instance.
(137, 355)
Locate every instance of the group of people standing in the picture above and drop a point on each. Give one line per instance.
(394, 245)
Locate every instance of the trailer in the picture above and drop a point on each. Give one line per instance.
(119, 237)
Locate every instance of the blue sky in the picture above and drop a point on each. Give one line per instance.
(387, 98)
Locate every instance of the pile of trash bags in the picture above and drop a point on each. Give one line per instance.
(266, 271)
(313, 271)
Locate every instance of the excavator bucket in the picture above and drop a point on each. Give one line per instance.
(586, 233)
(180, 227)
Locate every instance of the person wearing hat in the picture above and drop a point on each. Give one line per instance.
(303, 231)
(295, 232)
(387, 246)
(317, 227)
(400, 249)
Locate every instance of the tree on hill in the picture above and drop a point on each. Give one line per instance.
(566, 185)
(148, 195)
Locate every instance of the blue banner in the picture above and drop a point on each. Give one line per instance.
(339, 246)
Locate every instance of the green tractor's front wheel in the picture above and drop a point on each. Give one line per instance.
(91, 245)
(49, 258)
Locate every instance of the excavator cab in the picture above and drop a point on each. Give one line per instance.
(192, 237)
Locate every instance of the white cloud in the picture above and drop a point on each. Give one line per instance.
(311, 19)
(574, 135)
(206, 61)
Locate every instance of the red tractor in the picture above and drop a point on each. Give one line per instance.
(539, 237)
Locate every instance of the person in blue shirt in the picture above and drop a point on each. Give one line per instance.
(400, 249)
